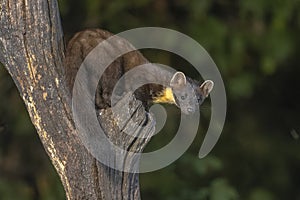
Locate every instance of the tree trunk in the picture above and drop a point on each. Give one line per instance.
(32, 50)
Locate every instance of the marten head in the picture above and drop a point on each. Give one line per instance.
(185, 93)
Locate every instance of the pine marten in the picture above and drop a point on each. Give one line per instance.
(178, 89)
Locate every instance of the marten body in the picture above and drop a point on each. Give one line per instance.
(177, 89)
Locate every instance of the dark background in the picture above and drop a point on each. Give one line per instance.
(255, 44)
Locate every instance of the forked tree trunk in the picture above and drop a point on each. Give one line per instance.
(32, 50)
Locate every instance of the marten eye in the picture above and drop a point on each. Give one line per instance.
(200, 99)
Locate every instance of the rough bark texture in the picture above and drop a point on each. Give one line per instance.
(32, 50)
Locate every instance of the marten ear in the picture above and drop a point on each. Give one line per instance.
(206, 87)
(178, 80)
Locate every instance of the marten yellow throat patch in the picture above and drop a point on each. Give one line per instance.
(166, 96)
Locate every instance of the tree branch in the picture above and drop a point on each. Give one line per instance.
(32, 50)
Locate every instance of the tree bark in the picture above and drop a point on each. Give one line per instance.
(32, 50)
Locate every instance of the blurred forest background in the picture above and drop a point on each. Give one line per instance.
(255, 44)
